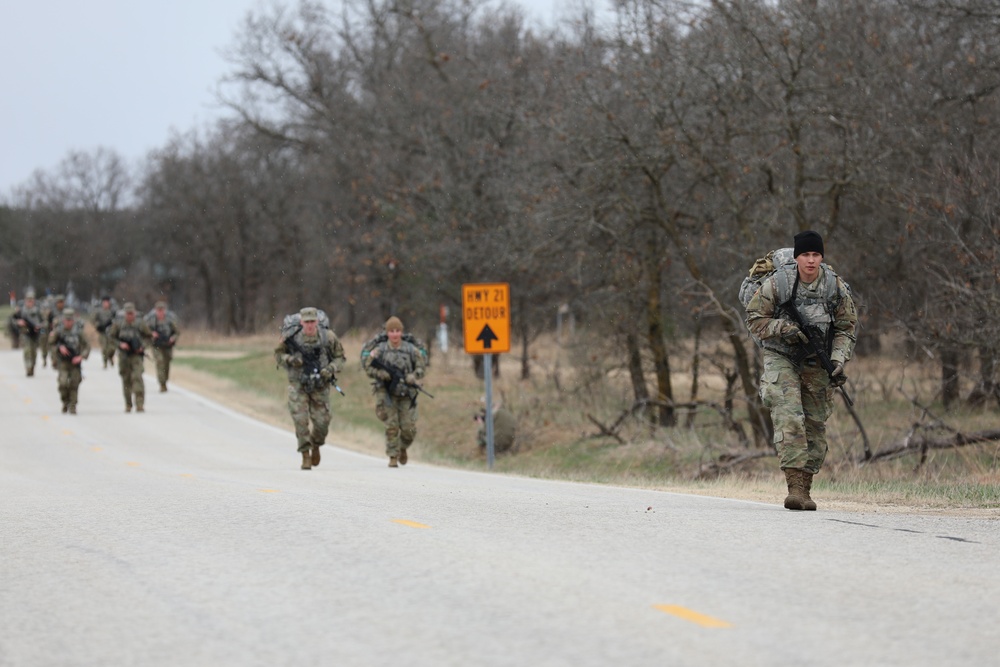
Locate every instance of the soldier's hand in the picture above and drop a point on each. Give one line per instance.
(792, 334)
(410, 378)
(383, 375)
(295, 360)
(837, 377)
(326, 373)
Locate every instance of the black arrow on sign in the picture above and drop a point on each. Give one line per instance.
(487, 336)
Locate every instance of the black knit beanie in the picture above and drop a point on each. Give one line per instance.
(808, 241)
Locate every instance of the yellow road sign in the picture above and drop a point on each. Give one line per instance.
(486, 317)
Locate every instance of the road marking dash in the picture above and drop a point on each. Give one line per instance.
(411, 524)
(95, 449)
(186, 474)
(269, 490)
(45, 418)
(66, 431)
(693, 616)
(27, 400)
(133, 464)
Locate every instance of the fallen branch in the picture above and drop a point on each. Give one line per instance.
(726, 462)
(911, 444)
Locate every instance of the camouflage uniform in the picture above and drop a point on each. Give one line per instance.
(51, 309)
(103, 318)
(68, 335)
(396, 409)
(30, 314)
(309, 394)
(164, 325)
(131, 337)
(795, 387)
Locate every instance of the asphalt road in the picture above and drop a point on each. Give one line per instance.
(188, 536)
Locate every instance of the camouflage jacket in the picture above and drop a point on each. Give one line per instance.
(137, 335)
(34, 314)
(324, 350)
(103, 319)
(167, 330)
(407, 358)
(73, 339)
(765, 316)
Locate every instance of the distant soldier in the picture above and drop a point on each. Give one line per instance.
(103, 318)
(69, 349)
(31, 326)
(313, 356)
(164, 325)
(53, 313)
(504, 428)
(129, 335)
(396, 366)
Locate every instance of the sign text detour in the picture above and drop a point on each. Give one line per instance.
(486, 317)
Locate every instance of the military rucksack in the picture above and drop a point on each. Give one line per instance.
(781, 264)
(382, 337)
(293, 321)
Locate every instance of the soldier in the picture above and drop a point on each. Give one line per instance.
(504, 428)
(313, 356)
(396, 366)
(794, 386)
(69, 349)
(31, 327)
(52, 313)
(163, 324)
(129, 335)
(103, 319)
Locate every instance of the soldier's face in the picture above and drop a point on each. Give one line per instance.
(105, 305)
(161, 313)
(130, 316)
(395, 335)
(29, 302)
(310, 327)
(809, 265)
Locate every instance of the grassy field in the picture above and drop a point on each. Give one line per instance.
(557, 440)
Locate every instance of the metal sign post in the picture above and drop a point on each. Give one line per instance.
(486, 328)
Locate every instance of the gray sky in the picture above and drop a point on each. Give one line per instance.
(119, 74)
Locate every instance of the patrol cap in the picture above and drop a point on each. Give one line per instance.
(60, 297)
(29, 294)
(68, 314)
(394, 324)
(160, 304)
(129, 307)
(309, 314)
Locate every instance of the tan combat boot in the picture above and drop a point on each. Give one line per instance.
(314, 455)
(402, 457)
(807, 482)
(796, 498)
(392, 462)
(307, 460)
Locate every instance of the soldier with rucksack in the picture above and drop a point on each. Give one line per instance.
(803, 316)
(313, 356)
(396, 363)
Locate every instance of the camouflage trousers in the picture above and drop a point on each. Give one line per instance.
(163, 355)
(399, 414)
(43, 348)
(30, 346)
(130, 368)
(800, 400)
(108, 348)
(70, 377)
(307, 407)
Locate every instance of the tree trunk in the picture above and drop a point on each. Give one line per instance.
(638, 378)
(949, 376)
(657, 337)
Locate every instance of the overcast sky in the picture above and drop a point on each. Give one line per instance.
(118, 74)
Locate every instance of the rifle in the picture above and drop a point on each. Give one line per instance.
(816, 346)
(312, 378)
(72, 350)
(103, 328)
(162, 340)
(134, 345)
(33, 328)
(395, 377)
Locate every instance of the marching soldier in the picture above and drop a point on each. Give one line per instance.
(130, 335)
(103, 318)
(69, 349)
(396, 366)
(31, 327)
(163, 324)
(313, 356)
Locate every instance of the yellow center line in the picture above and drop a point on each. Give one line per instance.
(95, 449)
(269, 490)
(133, 464)
(27, 400)
(186, 474)
(66, 431)
(411, 524)
(693, 616)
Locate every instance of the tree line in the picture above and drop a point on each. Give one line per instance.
(379, 155)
